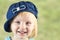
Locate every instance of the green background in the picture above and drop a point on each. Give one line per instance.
(48, 18)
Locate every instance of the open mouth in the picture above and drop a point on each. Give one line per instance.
(22, 32)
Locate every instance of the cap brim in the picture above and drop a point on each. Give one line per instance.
(7, 26)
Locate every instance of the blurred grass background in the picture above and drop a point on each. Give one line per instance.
(48, 18)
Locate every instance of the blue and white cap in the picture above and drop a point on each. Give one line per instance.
(16, 8)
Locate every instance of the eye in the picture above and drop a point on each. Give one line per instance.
(28, 23)
(18, 22)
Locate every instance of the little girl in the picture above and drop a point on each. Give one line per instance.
(21, 21)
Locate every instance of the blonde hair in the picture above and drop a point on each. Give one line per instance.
(34, 32)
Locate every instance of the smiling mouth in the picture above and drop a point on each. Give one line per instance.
(22, 32)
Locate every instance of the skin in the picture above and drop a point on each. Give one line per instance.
(22, 26)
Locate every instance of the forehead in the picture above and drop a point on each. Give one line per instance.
(25, 16)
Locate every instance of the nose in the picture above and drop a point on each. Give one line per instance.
(22, 26)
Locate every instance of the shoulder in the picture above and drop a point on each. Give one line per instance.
(8, 38)
(31, 39)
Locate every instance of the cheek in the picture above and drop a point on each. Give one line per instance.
(14, 28)
(31, 28)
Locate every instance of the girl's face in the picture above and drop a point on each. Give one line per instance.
(23, 24)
